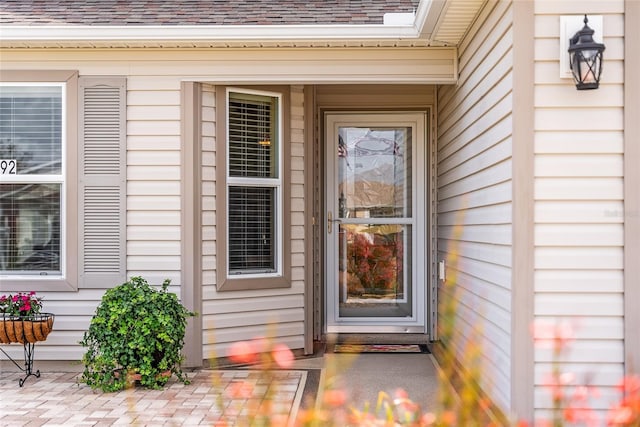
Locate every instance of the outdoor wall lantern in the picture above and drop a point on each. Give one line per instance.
(585, 58)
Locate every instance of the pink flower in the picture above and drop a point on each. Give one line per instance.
(401, 394)
(584, 416)
(240, 390)
(621, 415)
(334, 398)
(428, 419)
(282, 355)
(20, 304)
(630, 384)
(555, 335)
(242, 352)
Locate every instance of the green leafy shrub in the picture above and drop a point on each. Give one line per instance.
(137, 329)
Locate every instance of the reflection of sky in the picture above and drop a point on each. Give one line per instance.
(371, 153)
(31, 127)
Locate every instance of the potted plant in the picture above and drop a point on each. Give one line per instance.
(137, 332)
(21, 319)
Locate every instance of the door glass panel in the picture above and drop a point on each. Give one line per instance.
(374, 192)
(374, 272)
(374, 172)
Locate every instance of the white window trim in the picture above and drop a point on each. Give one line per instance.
(49, 179)
(276, 183)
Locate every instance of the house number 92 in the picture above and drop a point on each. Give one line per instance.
(8, 167)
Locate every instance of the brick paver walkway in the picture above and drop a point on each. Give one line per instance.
(214, 397)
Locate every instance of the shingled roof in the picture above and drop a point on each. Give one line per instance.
(200, 12)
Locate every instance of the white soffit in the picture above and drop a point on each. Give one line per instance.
(456, 19)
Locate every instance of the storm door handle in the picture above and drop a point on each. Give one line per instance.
(330, 222)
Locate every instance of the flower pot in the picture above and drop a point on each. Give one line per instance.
(29, 329)
(37, 330)
(10, 329)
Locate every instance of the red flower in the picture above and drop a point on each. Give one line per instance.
(20, 304)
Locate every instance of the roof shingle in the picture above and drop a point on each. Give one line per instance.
(199, 12)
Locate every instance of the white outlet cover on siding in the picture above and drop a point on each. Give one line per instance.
(569, 25)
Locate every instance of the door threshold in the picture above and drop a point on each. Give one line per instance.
(369, 338)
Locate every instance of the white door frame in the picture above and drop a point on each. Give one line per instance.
(421, 165)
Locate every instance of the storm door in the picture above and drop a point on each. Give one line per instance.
(375, 222)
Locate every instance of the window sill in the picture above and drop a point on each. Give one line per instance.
(254, 283)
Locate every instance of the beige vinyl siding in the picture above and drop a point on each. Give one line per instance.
(153, 186)
(474, 193)
(579, 231)
(231, 316)
(153, 178)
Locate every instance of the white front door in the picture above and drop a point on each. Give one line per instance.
(376, 222)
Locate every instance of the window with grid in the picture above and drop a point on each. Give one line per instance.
(32, 184)
(254, 217)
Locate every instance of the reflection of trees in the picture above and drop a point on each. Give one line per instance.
(374, 263)
(33, 119)
(29, 214)
(27, 164)
(9, 150)
(30, 227)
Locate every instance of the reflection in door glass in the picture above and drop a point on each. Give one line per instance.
(374, 172)
(374, 273)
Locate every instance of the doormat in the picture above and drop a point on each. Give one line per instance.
(380, 348)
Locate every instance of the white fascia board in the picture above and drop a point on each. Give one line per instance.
(428, 15)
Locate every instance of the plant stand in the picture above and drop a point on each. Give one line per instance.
(27, 331)
(29, 351)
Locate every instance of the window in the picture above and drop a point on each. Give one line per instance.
(32, 169)
(254, 253)
(254, 184)
(35, 242)
(63, 183)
